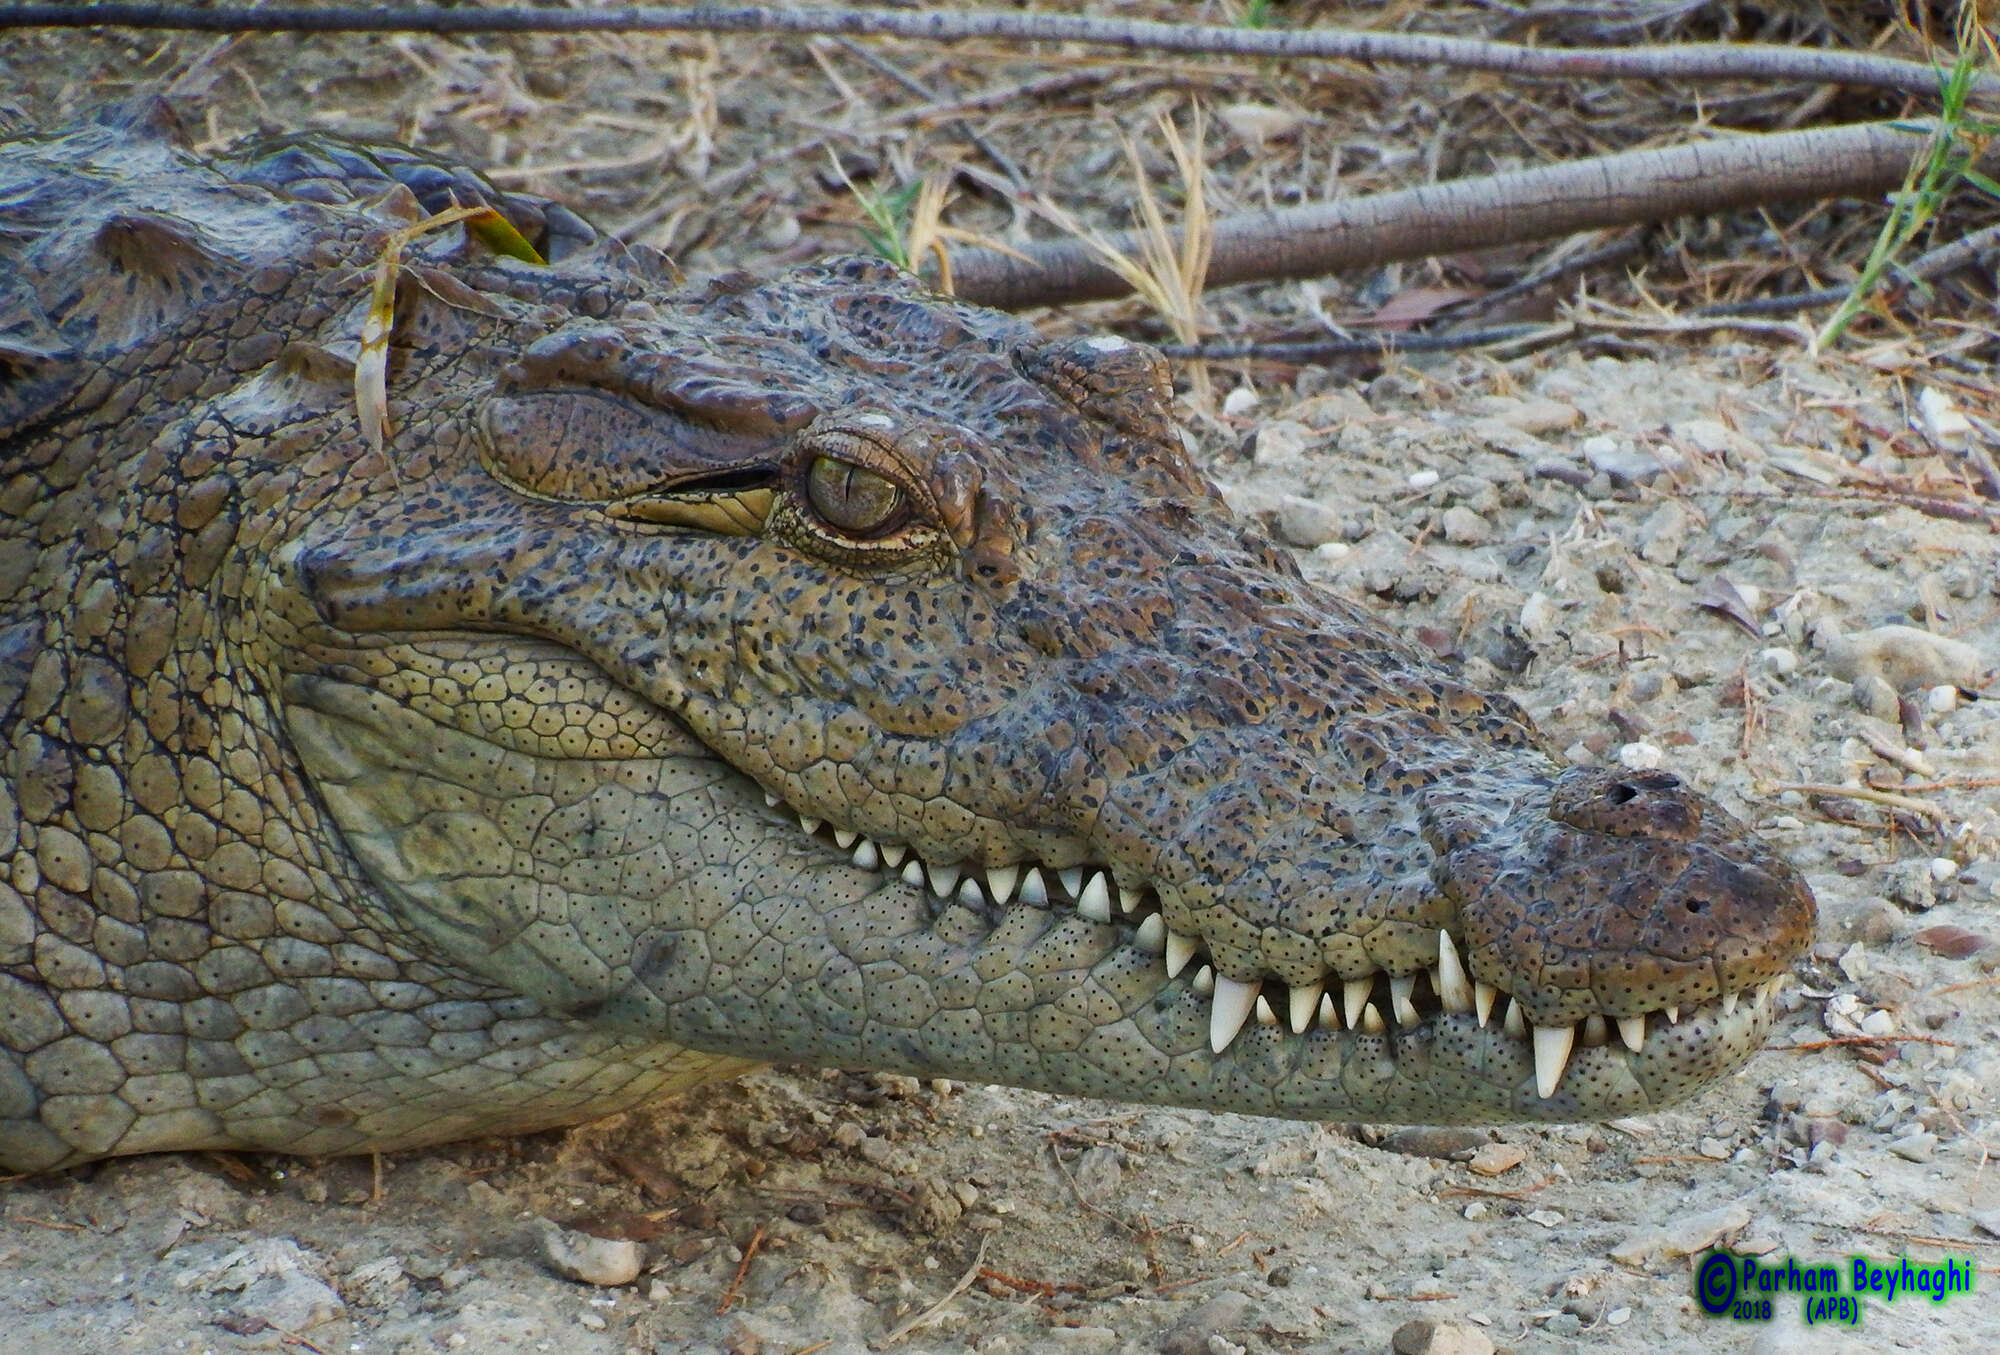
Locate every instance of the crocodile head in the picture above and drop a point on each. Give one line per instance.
(1018, 758)
(812, 669)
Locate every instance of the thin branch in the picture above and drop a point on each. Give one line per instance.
(1858, 160)
(1937, 263)
(1331, 349)
(883, 66)
(1693, 61)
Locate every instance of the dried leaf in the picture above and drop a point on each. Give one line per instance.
(1258, 123)
(1413, 304)
(371, 367)
(497, 233)
(1723, 598)
(1954, 943)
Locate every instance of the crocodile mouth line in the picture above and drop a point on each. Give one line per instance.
(1332, 1007)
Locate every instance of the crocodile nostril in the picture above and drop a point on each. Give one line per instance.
(1696, 905)
(1622, 793)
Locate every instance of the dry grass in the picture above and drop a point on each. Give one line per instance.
(715, 149)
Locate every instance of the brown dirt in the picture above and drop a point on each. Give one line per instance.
(1467, 498)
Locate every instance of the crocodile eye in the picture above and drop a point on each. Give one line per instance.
(853, 499)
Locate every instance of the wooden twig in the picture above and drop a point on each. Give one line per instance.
(1811, 1045)
(1909, 759)
(1701, 179)
(883, 66)
(735, 1290)
(1873, 796)
(964, 1283)
(1378, 345)
(1690, 61)
(1937, 263)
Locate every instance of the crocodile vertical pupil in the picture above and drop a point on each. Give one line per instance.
(852, 498)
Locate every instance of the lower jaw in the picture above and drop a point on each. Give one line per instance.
(1444, 1069)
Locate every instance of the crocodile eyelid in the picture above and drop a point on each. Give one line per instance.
(739, 513)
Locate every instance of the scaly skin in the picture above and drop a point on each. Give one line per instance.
(359, 800)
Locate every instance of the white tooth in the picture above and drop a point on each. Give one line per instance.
(1729, 1004)
(1095, 901)
(1512, 1022)
(1353, 995)
(844, 838)
(808, 826)
(969, 895)
(892, 853)
(1400, 1006)
(1483, 994)
(1329, 1019)
(1632, 1030)
(772, 800)
(1152, 934)
(1595, 1032)
(1371, 1020)
(944, 879)
(1180, 949)
(1552, 1046)
(1265, 1016)
(1072, 880)
(1306, 999)
(913, 872)
(1673, 1016)
(1000, 881)
(1032, 888)
(1128, 899)
(1454, 991)
(1204, 980)
(866, 857)
(1229, 1011)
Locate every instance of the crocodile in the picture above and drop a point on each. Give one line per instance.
(656, 679)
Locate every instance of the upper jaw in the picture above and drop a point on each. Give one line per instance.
(1518, 909)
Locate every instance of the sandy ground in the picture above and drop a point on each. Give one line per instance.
(1562, 525)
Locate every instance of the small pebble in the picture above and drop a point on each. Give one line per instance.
(1492, 1159)
(1240, 401)
(1211, 1317)
(1306, 524)
(1874, 696)
(1538, 616)
(1942, 699)
(1943, 868)
(1424, 479)
(1280, 442)
(1778, 661)
(1878, 1023)
(1917, 1147)
(587, 1259)
(1641, 757)
(1902, 656)
(1619, 462)
(1534, 414)
(1426, 1337)
(1947, 427)
(1440, 1141)
(1463, 527)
